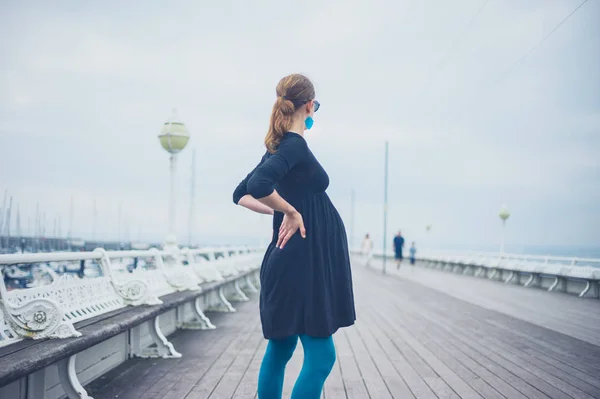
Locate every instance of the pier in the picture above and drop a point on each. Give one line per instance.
(423, 331)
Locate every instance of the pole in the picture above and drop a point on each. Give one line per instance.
(37, 227)
(385, 207)
(70, 234)
(503, 233)
(8, 222)
(172, 195)
(192, 199)
(94, 216)
(352, 219)
(2, 214)
(119, 227)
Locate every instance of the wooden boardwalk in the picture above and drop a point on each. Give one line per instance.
(417, 336)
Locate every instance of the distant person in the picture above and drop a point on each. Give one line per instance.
(413, 252)
(398, 246)
(367, 249)
(305, 276)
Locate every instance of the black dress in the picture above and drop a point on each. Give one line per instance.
(306, 287)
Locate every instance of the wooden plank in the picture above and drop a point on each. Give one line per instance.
(484, 382)
(552, 375)
(508, 341)
(374, 383)
(410, 341)
(248, 384)
(453, 385)
(393, 380)
(413, 380)
(206, 386)
(531, 369)
(232, 377)
(207, 375)
(548, 309)
(417, 307)
(353, 380)
(519, 371)
(145, 377)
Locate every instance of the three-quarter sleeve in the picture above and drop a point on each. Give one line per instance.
(291, 151)
(242, 188)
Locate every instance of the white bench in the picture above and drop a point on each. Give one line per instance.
(117, 312)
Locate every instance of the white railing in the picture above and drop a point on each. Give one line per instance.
(50, 311)
(572, 274)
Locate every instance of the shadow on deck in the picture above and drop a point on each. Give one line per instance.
(418, 335)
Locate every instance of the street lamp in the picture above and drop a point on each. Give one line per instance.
(427, 229)
(504, 214)
(173, 137)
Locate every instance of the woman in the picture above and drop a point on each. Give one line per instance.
(306, 283)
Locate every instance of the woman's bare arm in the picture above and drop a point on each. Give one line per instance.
(276, 202)
(249, 202)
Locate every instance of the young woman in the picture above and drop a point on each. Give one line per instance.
(367, 249)
(306, 283)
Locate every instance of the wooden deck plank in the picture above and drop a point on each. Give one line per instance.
(507, 342)
(553, 376)
(412, 379)
(554, 344)
(455, 386)
(487, 384)
(393, 380)
(199, 349)
(568, 314)
(374, 383)
(487, 360)
(206, 386)
(247, 386)
(524, 367)
(353, 381)
(334, 385)
(410, 341)
(418, 309)
(525, 371)
(192, 369)
(233, 375)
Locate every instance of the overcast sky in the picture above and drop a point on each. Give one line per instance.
(471, 124)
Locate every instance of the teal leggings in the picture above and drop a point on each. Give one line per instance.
(319, 357)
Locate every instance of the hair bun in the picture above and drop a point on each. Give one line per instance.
(285, 105)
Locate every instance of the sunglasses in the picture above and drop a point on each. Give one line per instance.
(315, 102)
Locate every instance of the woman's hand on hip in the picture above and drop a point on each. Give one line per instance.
(292, 221)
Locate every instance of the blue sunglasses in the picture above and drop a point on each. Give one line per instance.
(316, 106)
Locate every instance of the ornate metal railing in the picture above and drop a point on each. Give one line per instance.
(50, 311)
(570, 274)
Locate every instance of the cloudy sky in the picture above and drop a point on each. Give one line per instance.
(479, 105)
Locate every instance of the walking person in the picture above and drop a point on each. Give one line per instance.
(367, 249)
(398, 246)
(413, 253)
(306, 282)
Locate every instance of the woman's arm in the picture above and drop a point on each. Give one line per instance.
(249, 202)
(261, 185)
(291, 151)
(242, 189)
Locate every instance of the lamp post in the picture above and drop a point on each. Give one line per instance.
(385, 206)
(427, 229)
(504, 214)
(173, 137)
